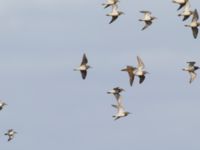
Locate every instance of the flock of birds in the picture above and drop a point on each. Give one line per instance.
(131, 70)
(139, 70)
(148, 18)
(10, 133)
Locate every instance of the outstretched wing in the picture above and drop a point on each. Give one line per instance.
(195, 16)
(147, 24)
(142, 78)
(113, 19)
(195, 32)
(140, 63)
(192, 76)
(83, 74)
(191, 63)
(84, 60)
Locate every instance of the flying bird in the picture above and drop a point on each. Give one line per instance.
(191, 68)
(83, 67)
(120, 110)
(194, 24)
(131, 74)
(2, 104)
(116, 92)
(181, 3)
(10, 133)
(140, 72)
(115, 13)
(187, 12)
(110, 3)
(147, 19)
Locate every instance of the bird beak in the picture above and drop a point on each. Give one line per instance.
(124, 69)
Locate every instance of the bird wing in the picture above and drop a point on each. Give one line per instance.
(192, 76)
(140, 63)
(191, 63)
(115, 106)
(195, 32)
(195, 16)
(141, 79)
(185, 18)
(145, 12)
(114, 8)
(84, 60)
(181, 6)
(83, 74)
(113, 19)
(147, 24)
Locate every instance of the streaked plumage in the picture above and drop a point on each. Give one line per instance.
(83, 67)
(110, 3)
(130, 71)
(191, 68)
(147, 19)
(115, 13)
(194, 24)
(10, 133)
(181, 3)
(2, 104)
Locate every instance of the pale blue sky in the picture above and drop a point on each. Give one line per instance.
(51, 107)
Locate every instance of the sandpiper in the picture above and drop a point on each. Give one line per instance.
(83, 67)
(181, 3)
(115, 13)
(2, 104)
(139, 71)
(194, 24)
(116, 92)
(191, 70)
(187, 12)
(148, 19)
(110, 3)
(10, 133)
(120, 110)
(130, 70)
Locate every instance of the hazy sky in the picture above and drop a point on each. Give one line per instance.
(51, 107)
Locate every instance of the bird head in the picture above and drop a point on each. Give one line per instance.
(88, 66)
(126, 113)
(121, 13)
(145, 72)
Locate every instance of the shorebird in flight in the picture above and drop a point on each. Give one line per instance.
(187, 12)
(147, 19)
(115, 13)
(120, 110)
(116, 92)
(194, 24)
(191, 68)
(130, 71)
(10, 133)
(2, 104)
(83, 67)
(110, 3)
(181, 3)
(140, 72)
